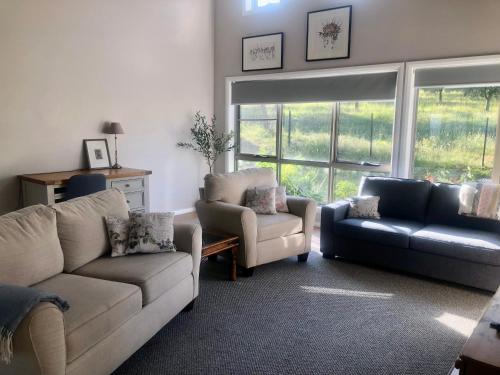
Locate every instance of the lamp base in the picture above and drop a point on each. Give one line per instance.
(116, 166)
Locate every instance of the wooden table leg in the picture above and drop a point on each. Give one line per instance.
(234, 253)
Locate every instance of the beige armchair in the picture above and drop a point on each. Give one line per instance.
(263, 238)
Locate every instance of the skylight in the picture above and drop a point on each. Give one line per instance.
(251, 6)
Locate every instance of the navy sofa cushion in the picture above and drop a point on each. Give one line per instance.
(443, 209)
(386, 231)
(399, 198)
(466, 244)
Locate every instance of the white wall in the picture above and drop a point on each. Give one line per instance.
(382, 31)
(66, 66)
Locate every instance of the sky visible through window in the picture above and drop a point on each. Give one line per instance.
(263, 3)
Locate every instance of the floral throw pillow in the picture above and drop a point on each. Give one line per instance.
(364, 207)
(281, 205)
(118, 235)
(262, 200)
(151, 233)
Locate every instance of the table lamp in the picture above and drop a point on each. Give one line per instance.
(114, 128)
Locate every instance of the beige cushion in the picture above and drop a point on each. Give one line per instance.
(231, 187)
(29, 247)
(279, 225)
(97, 308)
(81, 226)
(153, 273)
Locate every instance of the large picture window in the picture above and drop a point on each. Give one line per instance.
(318, 150)
(456, 133)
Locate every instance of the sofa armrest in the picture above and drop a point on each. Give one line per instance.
(187, 239)
(39, 344)
(233, 219)
(305, 208)
(330, 214)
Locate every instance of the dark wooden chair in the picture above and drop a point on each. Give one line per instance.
(84, 184)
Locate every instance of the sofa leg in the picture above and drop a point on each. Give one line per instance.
(247, 272)
(189, 306)
(302, 258)
(328, 256)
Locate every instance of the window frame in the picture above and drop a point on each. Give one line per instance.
(333, 162)
(410, 107)
(233, 118)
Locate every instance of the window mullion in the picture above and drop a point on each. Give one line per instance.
(333, 150)
(279, 127)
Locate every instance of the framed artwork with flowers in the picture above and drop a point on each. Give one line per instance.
(329, 34)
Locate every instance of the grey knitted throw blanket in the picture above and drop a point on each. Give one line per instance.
(15, 303)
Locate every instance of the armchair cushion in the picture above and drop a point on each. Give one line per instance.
(98, 308)
(275, 226)
(153, 273)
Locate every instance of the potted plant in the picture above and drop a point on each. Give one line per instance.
(206, 140)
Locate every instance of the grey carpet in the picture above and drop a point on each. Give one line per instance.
(323, 317)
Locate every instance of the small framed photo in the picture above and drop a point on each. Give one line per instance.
(329, 34)
(262, 52)
(97, 152)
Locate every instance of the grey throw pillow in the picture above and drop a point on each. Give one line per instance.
(118, 235)
(281, 205)
(262, 200)
(151, 233)
(364, 207)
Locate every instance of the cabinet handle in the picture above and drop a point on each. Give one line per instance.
(127, 185)
(128, 201)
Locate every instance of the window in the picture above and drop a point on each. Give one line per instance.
(318, 150)
(455, 133)
(251, 6)
(453, 111)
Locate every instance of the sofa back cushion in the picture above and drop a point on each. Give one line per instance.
(399, 198)
(443, 209)
(30, 251)
(232, 187)
(82, 228)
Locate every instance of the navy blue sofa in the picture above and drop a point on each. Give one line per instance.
(420, 231)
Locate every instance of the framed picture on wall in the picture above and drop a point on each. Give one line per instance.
(97, 152)
(329, 34)
(262, 52)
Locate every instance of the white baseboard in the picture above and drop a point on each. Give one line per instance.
(185, 211)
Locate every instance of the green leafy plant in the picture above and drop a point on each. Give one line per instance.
(207, 140)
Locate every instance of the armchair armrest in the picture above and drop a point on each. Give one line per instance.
(306, 209)
(330, 214)
(233, 219)
(187, 239)
(39, 343)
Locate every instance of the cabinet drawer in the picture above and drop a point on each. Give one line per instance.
(135, 200)
(129, 185)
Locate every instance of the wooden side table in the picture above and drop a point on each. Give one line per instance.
(49, 188)
(216, 243)
(481, 353)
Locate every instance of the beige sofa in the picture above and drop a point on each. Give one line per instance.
(117, 304)
(263, 238)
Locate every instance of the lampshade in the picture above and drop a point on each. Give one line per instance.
(114, 128)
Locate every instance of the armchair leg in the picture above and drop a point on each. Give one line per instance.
(302, 258)
(189, 306)
(247, 272)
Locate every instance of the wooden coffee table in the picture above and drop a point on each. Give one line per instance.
(215, 243)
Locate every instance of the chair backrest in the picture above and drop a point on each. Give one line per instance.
(85, 184)
(232, 187)
(399, 198)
